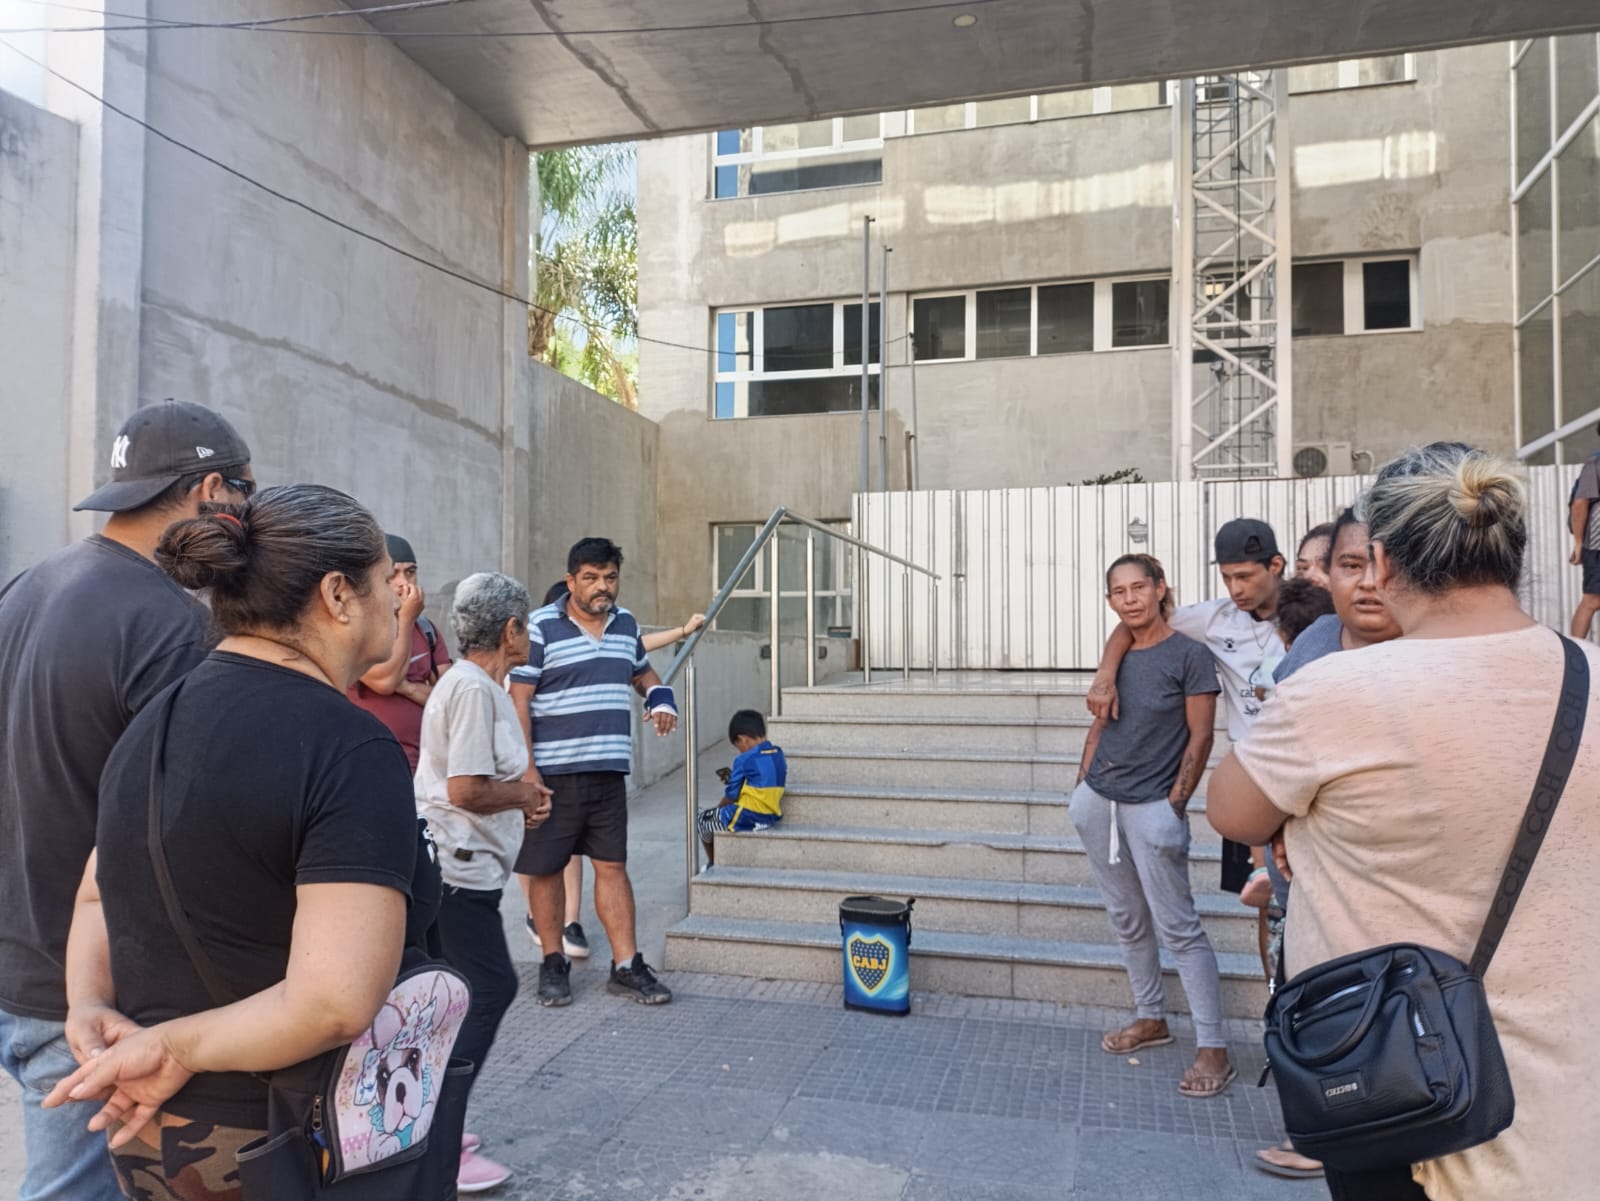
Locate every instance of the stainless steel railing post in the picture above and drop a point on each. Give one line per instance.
(691, 764)
(811, 608)
(933, 626)
(776, 708)
(905, 625)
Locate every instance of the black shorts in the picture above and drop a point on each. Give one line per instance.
(588, 816)
(1591, 572)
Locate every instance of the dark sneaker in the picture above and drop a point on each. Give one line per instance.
(554, 988)
(636, 980)
(573, 942)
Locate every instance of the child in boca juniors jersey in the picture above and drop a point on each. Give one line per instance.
(752, 792)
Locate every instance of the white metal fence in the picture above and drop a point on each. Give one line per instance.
(1022, 568)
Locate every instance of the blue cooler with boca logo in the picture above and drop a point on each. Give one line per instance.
(877, 945)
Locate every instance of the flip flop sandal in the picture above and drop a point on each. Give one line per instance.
(1159, 1041)
(1218, 1086)
(1283, 1170)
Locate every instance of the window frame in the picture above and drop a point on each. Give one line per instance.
(758, 153)
(758, 371)
(1103, 332)
(1350, 75)
(1355, 298)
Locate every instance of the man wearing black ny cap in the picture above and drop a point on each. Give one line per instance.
(87, 638)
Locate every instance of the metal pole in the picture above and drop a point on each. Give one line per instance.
(691, 840)
(777, 605)
(905, 625)
(866, 323)
(1283, 272)
(915, 481)
(1181, 318)
(883, 370)
(933, 627)
(811, 608)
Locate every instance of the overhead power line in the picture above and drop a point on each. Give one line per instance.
(290, 24)
(313, 210)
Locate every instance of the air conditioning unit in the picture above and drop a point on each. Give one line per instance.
(1323, 458)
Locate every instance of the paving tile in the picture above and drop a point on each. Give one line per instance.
(998, 1150)
(881, 1134)
(716, 1121)
(1147, 1166)
(951, 1188)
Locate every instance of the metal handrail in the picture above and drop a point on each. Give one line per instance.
(683, 661)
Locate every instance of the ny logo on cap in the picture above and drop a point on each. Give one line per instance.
(119, 452)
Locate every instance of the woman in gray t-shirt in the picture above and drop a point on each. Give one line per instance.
(1138, 772)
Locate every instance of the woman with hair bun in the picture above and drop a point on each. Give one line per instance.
(1399, 774)
(286, 817)
(1130, 808)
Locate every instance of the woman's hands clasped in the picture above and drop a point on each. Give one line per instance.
(130, 1069)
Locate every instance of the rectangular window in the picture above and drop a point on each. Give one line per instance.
(1386, 294)
(790, 359)
(1353, 73)
(1005, 323)
(1139, 313)
(796, 157)
(940, 325)
(1318, 299)
(852, 334)
(1066, 318)
(797, 338)
(749, 605)
(1013, 111)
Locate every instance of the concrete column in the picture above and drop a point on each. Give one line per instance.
(516, 279)
(110, 241)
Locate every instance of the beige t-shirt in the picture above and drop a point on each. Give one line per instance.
(470, 728)
(1406, 768)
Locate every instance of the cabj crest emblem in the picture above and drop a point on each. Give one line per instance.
(870, 961)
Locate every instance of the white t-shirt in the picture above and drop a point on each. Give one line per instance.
(470, 728)
(1240, 644)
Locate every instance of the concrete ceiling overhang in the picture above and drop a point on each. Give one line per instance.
(600, 70)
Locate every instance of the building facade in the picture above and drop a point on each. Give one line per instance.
(1029, 302)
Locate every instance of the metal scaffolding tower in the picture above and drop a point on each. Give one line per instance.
(1232, 396)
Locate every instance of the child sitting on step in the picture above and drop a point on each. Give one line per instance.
(752, 788)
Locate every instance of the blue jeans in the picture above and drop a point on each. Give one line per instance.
(66, 1161)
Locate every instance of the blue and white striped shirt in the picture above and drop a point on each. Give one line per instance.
(583, 691)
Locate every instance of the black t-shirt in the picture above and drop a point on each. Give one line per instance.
(272, 780)
(87, 637)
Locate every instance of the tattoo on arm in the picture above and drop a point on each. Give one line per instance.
(1194, 762)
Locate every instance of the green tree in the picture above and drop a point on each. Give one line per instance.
(586, 323)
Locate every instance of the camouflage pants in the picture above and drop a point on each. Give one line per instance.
(196, 1162)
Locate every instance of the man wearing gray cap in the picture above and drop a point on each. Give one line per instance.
(396, 690)
(87, 638)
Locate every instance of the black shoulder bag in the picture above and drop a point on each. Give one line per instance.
(1389, 1057)
(377, 1119)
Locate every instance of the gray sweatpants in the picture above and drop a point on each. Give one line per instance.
(1148, 898)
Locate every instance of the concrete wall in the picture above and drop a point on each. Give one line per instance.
(1419, 166)
(590, 469)
(38, 187)
(341, 362)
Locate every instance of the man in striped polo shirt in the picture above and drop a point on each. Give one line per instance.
(575, 695)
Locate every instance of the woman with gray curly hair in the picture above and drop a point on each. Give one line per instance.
(1399, 774)
(469, 786)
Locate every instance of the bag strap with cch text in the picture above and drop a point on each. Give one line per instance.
(1560, 752)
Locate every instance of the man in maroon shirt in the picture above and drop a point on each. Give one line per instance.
(395, 690)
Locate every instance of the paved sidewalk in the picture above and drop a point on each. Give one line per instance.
(771, 1091)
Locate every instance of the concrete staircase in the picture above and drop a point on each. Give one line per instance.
(953, 793)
